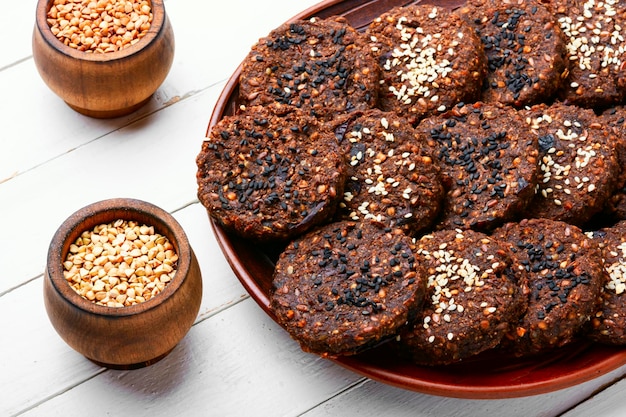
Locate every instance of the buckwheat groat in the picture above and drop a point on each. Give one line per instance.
(347, 286)
(472, 296)
(489, 158)
(608, 325)
(579, 165)
(270, 177)
(525, 49)
(320, 66)
(595, 33)
(391, 178)
(430, 59)
(565, 277)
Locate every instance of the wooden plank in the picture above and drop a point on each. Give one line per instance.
(16, 27)
(606, 403)
(37, 126)
(35, 362)
(373, 398)
(238, 363)
(220, 286)
(152, 159)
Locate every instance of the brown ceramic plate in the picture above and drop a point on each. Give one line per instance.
(487, 376)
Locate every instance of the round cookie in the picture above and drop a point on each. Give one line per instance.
(525, 50)
(595, 32)
(391, 179)
(319, 65)
(608, 325)
(346, 287)
(489, 158)
(579, 166)
(565, 277)
(472, 296)
(429, 58)
(614, 209)
(269, 176)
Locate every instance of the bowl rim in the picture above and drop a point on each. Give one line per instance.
(115, 208)
(157, 26)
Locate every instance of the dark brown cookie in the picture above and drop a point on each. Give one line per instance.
(525, 49)
(608, 325)
(579, 166)
(595, 33)
(430, 59)
(269, 176)
(319, 65)
(391, 179)
(489, 157)
(565, 277)
(614, 209)
(472, 296)
(346, 287)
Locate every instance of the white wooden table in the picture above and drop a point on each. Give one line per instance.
(235, 361)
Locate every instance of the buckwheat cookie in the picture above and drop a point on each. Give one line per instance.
(525, 49)
(595, 32)
(472, 296)
(579, 166)
(392, 178)
(608, 325)
(614, 210)
(319, 65)
(565, 277)
(488, 158)
(346, 287)
(268, 175)
(429, 58)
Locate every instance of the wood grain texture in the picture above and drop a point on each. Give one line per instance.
(272, 378)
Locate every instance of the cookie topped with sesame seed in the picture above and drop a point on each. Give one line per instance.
(318, 65)
(596, 48)
(269, 175)
(430, 59)
(579, 166)
(565, 277)
(488, 158)
(472, 295)
(346, 287)
(525, 49)
(614, 210)
(608, 325)
(392, 178)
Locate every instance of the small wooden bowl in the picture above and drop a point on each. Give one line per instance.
(104, 85)
(123, 337)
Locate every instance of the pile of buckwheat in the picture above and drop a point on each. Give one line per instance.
(99, 25)
(120, 264)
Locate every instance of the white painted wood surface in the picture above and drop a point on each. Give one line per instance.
(235, 361)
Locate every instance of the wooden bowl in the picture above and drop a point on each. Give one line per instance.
(123, 337)
(110, 84)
